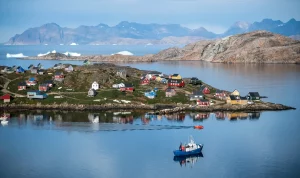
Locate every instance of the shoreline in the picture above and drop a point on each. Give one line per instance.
(155, 108)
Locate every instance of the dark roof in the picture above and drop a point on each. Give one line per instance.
(219, 91)
(128, 85)
(175, 75)
(22, 84)
(48, 81)
(85, 61)
(254, 94)
(59, 73)
(197, 92)
(243, 98)
(202, 87)
(41, 70)
(232, 97)
(194, 78)
(204, 100)
(170, 89)
(44, 85)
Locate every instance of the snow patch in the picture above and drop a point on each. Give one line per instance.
(19, 55)
(73, 44)
(71, 54)
(126, 53)
(280, 25)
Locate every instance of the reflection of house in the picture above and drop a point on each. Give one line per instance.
(197, 94)
(201, 116)
(6, 98)
(236, 100)
(202, 102)
(254, 115)
(220, 115)
(237, 115)
(254, 96)
(170, 92)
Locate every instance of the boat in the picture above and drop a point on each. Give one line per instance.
(198, 127)
(190, 159)
(189, 149)
(4, 122)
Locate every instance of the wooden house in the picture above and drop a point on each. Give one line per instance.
(36, 95)
(40, 71)
(203, 102)
(170, 92)
(195, 81)
(235, 93)
(20, 70)
(69, 68)
(95, 85)
(253, 96)
(205, 89)
(236, 100)
(91, 92)
(220, 94)
(145, 81)
(86, 62)
(39, 66)
(43, 87)
(59, 76)
(176, 83)
(196, 95)
(30, 66)
(59, 66)
(175, 76)
(22, 86)
(6, 98)
(31, 81)
(8, 70)
(127, 87)
(34, 70)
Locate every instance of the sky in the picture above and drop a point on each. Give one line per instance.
(215, 15)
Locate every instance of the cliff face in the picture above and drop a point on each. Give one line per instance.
(254, 47)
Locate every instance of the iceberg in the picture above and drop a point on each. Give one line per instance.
(126, 53)
(53, 51)
(71, 54)
(41, 54)
(73, 44)
(19, 55)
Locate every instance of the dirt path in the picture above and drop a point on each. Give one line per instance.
(4, 90)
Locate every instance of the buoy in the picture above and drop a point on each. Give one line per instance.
(198, 127)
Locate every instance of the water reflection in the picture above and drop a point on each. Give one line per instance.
(126, 120)
(188, 161)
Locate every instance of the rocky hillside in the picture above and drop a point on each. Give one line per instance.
(253, 47)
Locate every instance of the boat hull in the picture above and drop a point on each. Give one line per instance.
(187, 153)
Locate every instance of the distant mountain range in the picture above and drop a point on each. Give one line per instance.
(136, 33)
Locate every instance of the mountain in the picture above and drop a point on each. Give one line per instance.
(52, 33)
(290, 28)
(253, 47)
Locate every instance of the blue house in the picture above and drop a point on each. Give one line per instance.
(20, 70)
(150, 94)
(36, 95)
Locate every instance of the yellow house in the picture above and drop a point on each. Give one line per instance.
(235, 93)
(158, 79)
(236, 100)
(176, 76)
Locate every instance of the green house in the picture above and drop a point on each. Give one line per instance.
(253, 96)
(86, 62)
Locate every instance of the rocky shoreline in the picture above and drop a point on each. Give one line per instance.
(157, 108)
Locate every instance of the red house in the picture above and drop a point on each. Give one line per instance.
(202, 102)
(43, 87)
(205, 90)
(22, 86)
(127, 87)
(145, 81)
(176, 83)
(220, 94)
(6, 98)
(59, 76)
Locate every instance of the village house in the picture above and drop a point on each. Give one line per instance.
(175, 76)
(36, 95)
(176, 83)
(220, 94)
(39, 66)
(236, 100)
(205, 89)
(197, 94)
(69, 68)
(40, 71)
(91, 92)
(145, 81)
(43, 87)
(59, 76)
(22, 86)
(14, 68)
(31, 81)
(8, 70)
(95, 85)
(202, 102)
(235, 93)
(49, 83)
(86, 62)
(253, 96)
(127, 87)
(34, 70)
(20, 70)
(30, 66)
(6, 98)
(195, 81)
(170, 92)
(150, 94)
(59, 66)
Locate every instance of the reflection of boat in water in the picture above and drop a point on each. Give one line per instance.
(4, 122)
(188, 149)
(190, 159)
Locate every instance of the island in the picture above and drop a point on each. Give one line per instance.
(106, 86)
(253, 47)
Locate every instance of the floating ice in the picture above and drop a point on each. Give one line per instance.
(19, 55)
(41, 54)
(73, 44)
(71, 54)
(127, 53)
(53, 51)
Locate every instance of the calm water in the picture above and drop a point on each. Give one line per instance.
(69, 145)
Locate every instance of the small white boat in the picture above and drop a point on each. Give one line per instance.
(4, 122)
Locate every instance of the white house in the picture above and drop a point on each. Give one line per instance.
(95, 86)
